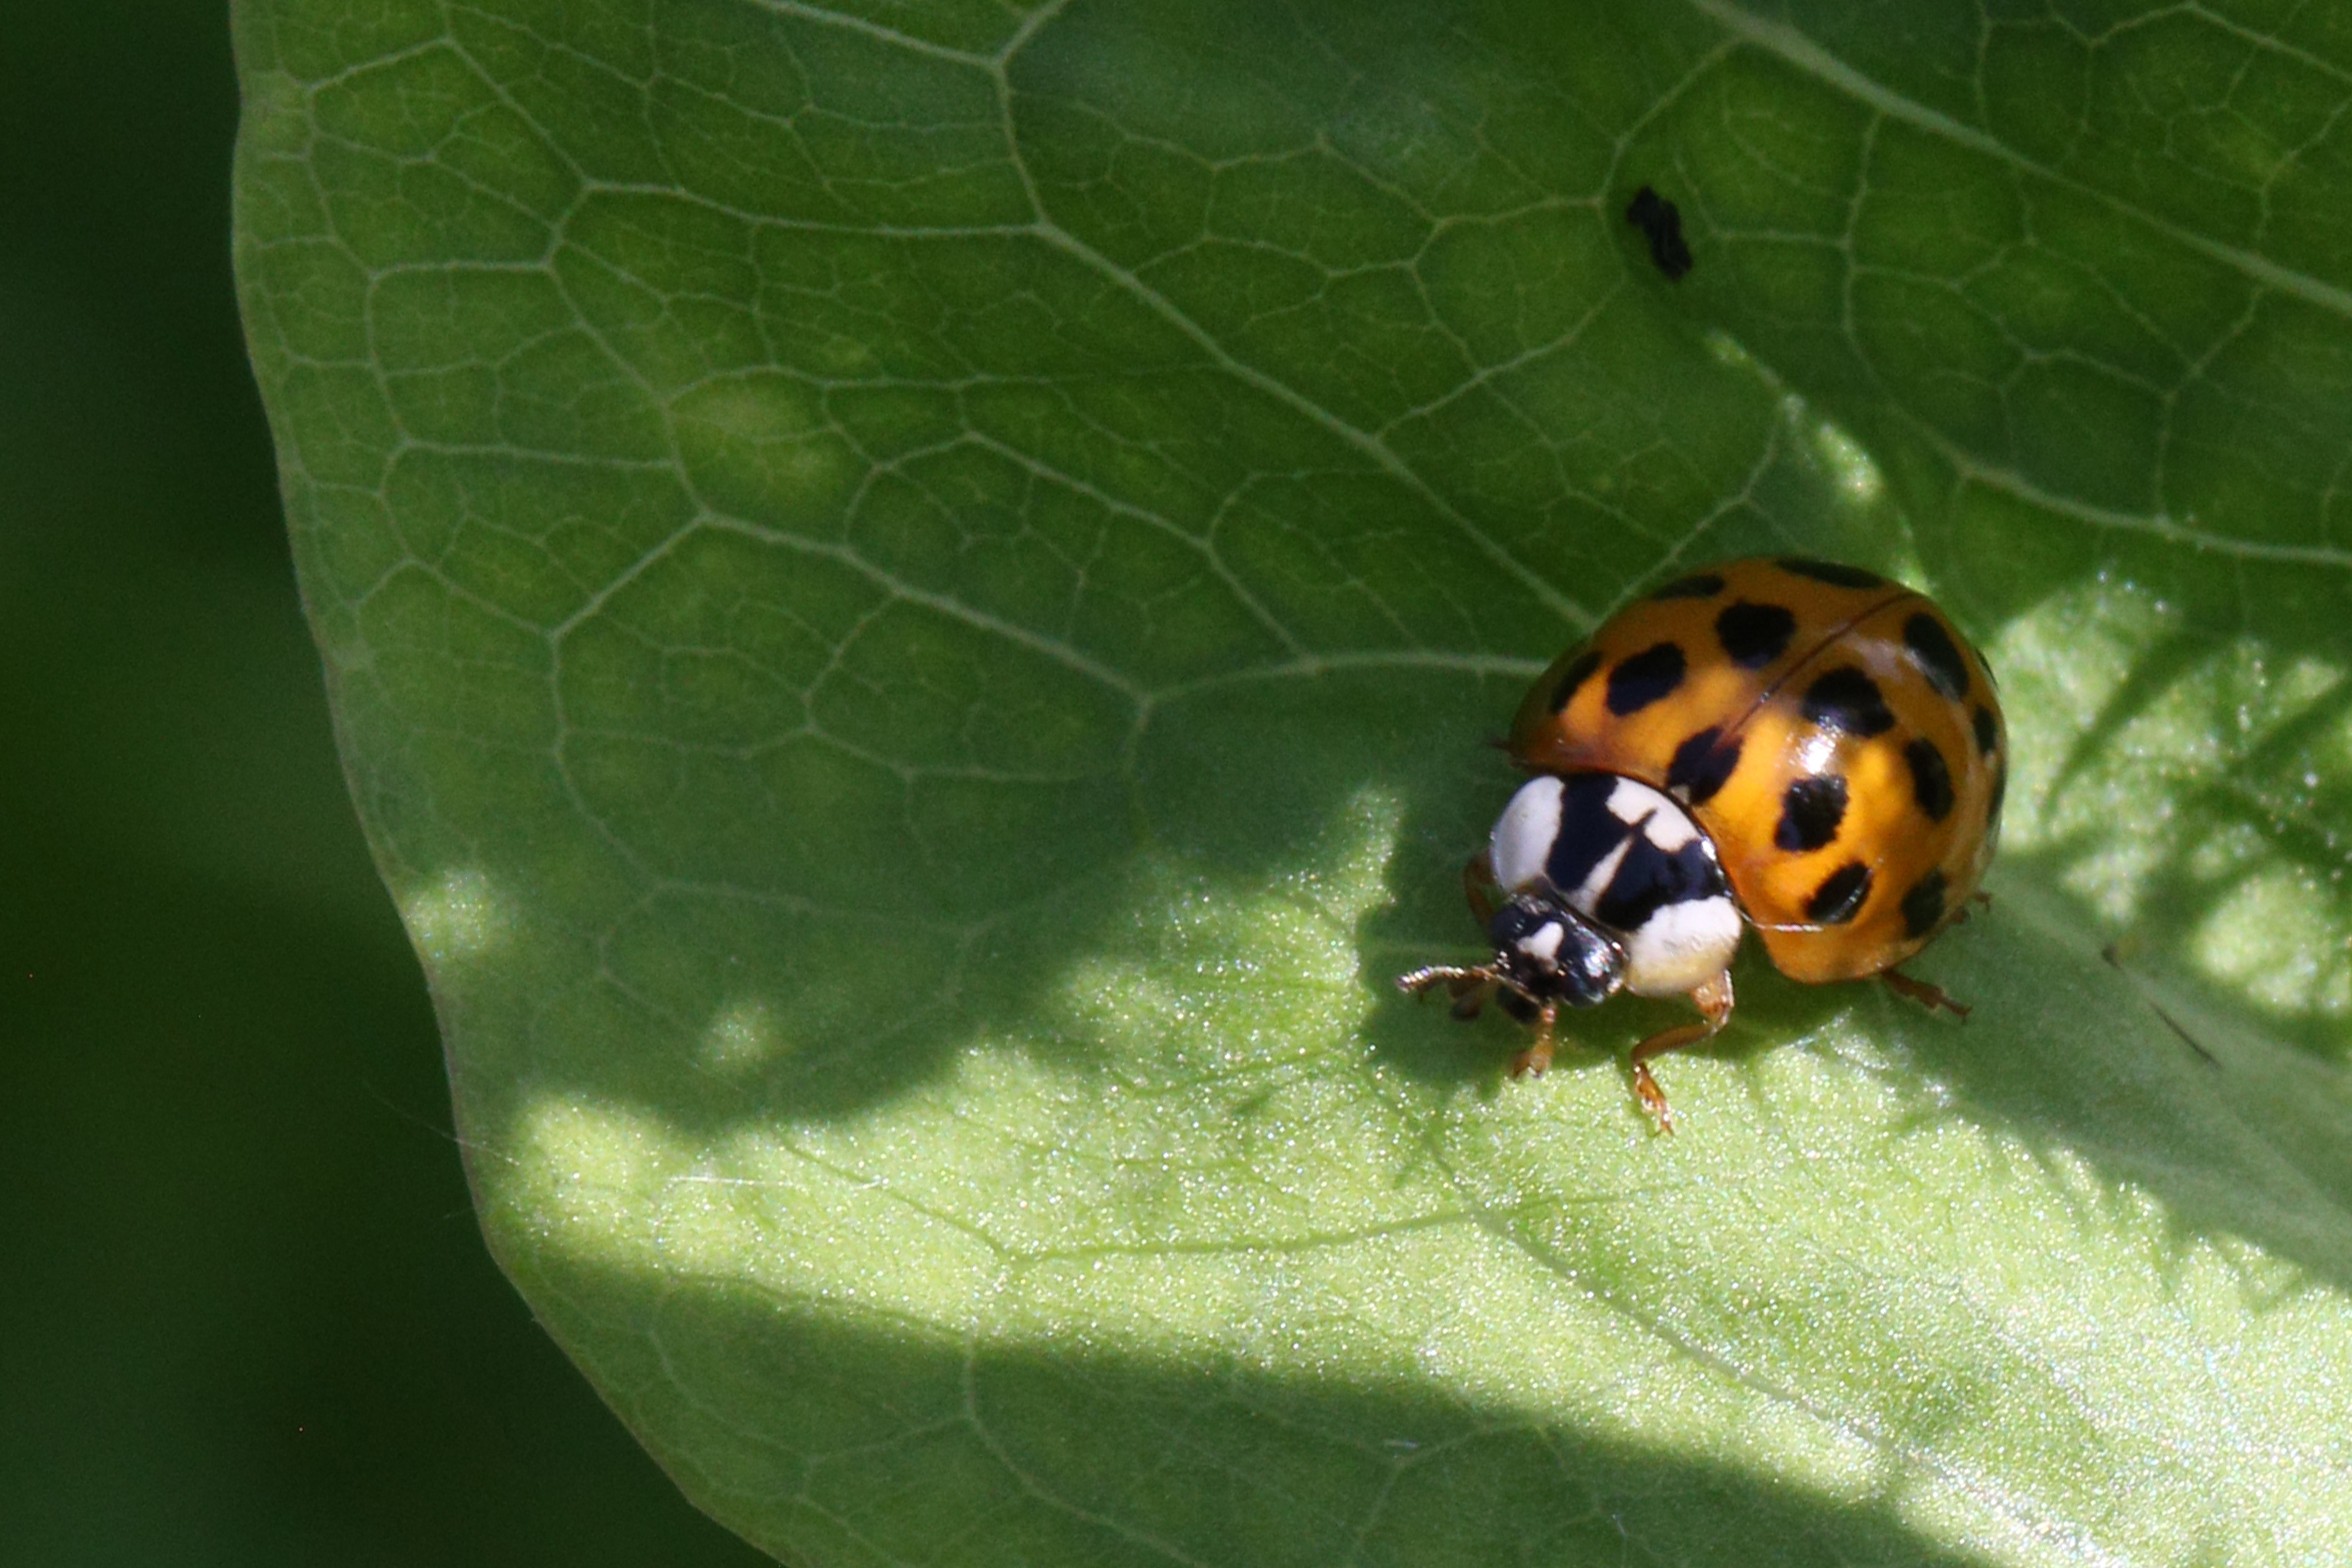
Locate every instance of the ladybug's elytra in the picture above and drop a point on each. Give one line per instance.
(1802, 745)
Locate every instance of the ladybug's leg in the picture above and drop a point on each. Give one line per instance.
(1920, 992)
(1960, 916)
(1713, 1000)
(1457, 981)
(1469, 992)
(1476, 878)
(1531, 1062)
(1469, 988)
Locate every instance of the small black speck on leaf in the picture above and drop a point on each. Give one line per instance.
(1657, 218)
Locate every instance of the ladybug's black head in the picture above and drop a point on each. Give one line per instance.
(1547, 952)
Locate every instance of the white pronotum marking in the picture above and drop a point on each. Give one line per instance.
(1681, 946)
(1523, 834)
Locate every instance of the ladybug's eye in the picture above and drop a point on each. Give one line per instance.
(1591, 967)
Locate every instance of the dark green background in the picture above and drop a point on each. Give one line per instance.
(247, 1317)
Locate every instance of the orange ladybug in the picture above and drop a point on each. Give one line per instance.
(1795, 745)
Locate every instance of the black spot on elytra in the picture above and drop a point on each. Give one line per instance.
(1648, 675)
(1840, 896)
(1988, 731)
(1811, 811)
(1699, 585)
(1846, 699)
(1755, 635)
(1929, 643)
(1931, 781)
(1830, 572)
(1923, 906)
(1702, 765)
(1658, 219)
(1574, 676)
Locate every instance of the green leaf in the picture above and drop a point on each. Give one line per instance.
(914, 595)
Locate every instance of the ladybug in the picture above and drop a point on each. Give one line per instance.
(1795, 745)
